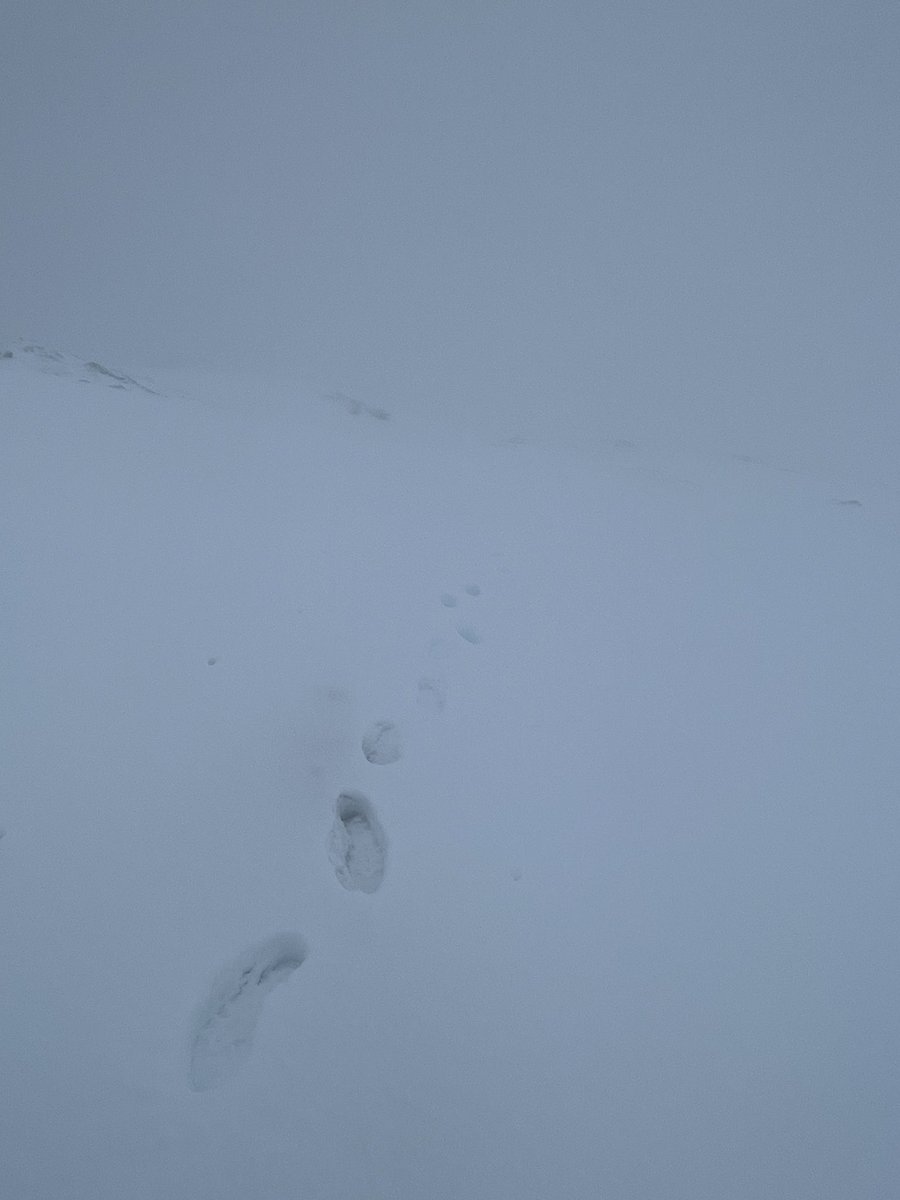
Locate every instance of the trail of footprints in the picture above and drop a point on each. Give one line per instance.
(224, 1024)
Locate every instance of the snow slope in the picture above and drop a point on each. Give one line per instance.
(407, 805)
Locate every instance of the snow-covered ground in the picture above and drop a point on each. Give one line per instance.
(449, 805)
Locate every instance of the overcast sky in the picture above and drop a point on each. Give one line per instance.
(672, 211)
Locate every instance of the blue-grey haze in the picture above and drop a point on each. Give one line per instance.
(663, 216)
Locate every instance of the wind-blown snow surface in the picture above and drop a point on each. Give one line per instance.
(636, 931)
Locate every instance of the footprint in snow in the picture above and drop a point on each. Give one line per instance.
(450, 601)
(430, 695)
(381, 744)
(355, 407)
(469, 634)
(224, 1025)
(357, 845)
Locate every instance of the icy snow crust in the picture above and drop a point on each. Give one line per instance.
(569, 764)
